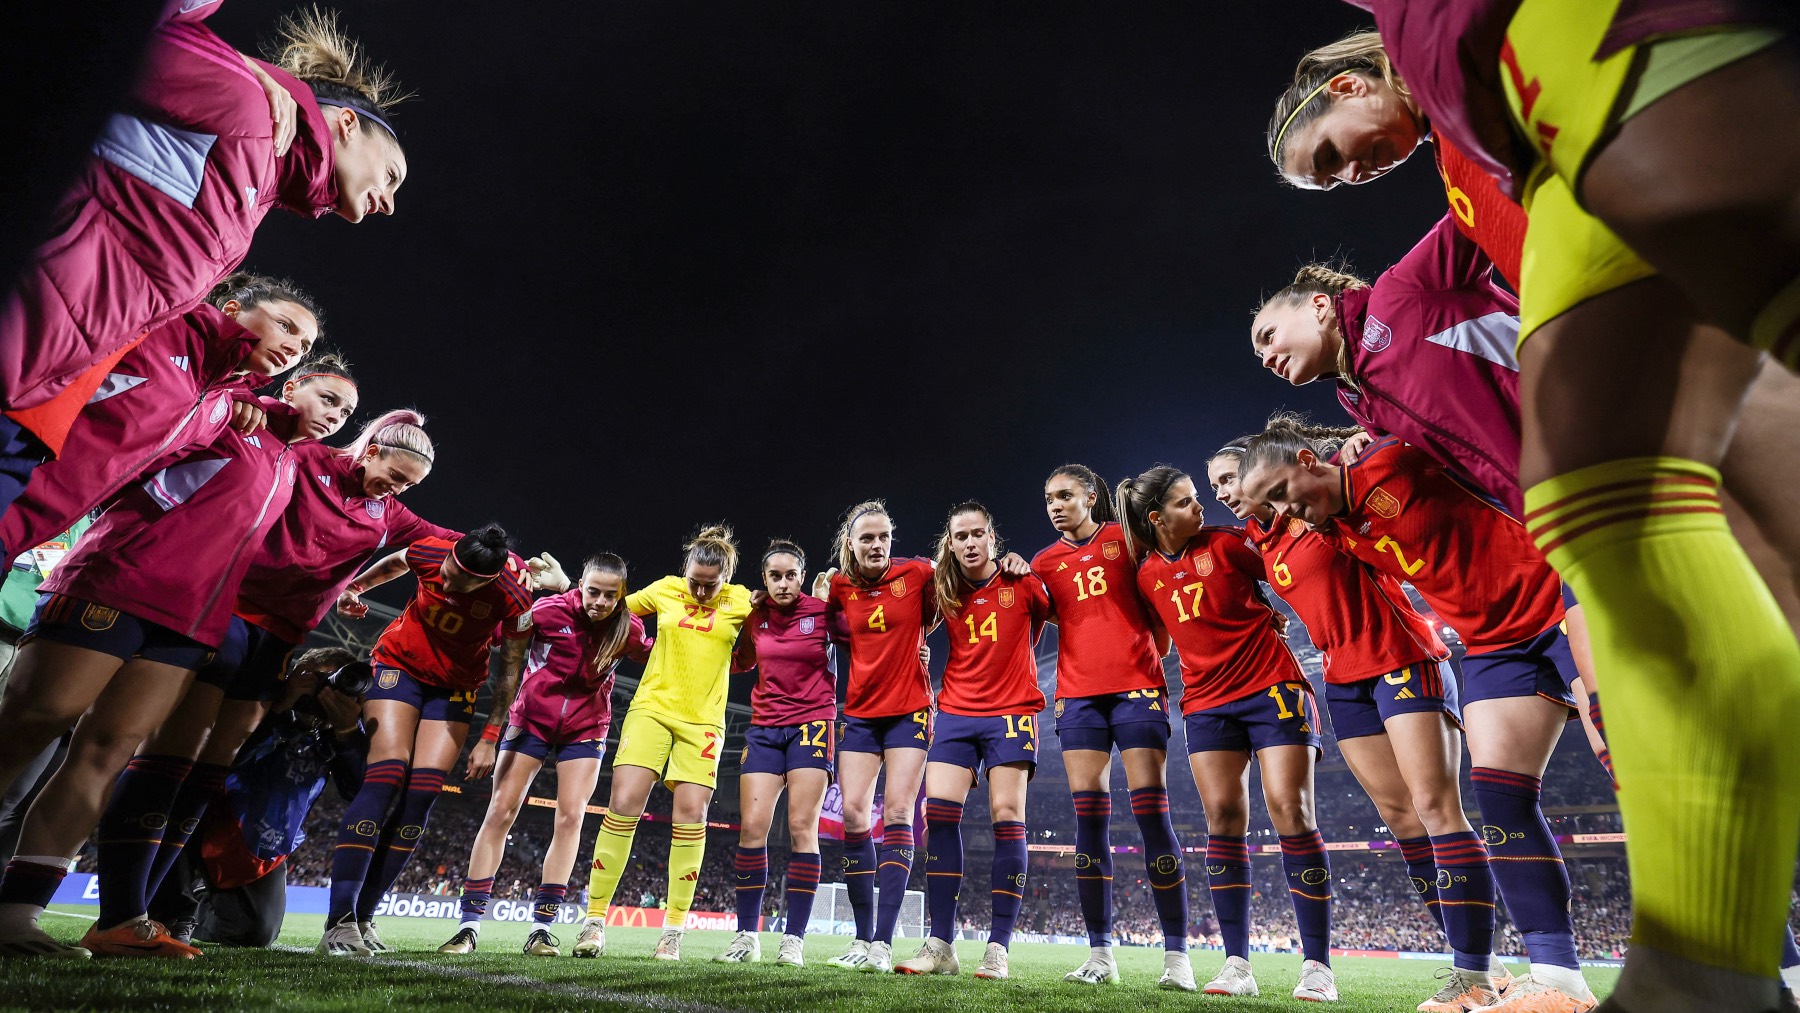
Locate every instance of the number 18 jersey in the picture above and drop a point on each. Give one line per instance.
(887, 620)
(1103, 642)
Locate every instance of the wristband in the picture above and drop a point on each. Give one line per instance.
(491, 733)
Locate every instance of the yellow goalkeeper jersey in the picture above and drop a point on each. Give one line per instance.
(690, 662)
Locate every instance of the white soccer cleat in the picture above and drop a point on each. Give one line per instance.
(880, 959)
(993, 964)
(1462, 991)
(592, 941)
(1095, 971)
(31, 941)
(372, 938)
(853, 958)
(1233, 979)
(1317, 983)
(1529, 995)
(792, 952)
(745, 948)
(669, 946)
(1178, 972)
(344, 940)
(1500, 975)
(934, 957)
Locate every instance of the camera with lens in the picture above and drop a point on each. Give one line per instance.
(354, 679)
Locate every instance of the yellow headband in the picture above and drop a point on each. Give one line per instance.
(1282, 133)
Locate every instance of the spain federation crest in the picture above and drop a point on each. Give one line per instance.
(1203, 564)
(480, 609)
(1296, 527)
(1383, 503)
(898, 587)
(98, 617)
(1006, 597)
(388, 679)
(806, 626)
(1110, 550)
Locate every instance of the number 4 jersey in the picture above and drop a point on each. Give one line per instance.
(887, 620)
(1103, 642)
(1208, 598)
(442, 639)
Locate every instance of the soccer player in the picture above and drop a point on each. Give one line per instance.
(1658, 185)
(428, 664)
(1393, 708)
(1398, 510)
(169, 204)
(673, 731)
(1243, 696)
(790, 744)
(1110, 693)
(176, 389)
(563, 708)
(125, 620)
(987, 721)
(888, 606)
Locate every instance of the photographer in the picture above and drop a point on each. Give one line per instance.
(230, 885)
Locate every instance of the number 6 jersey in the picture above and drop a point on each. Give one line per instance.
(1208, 598)
(442, 639)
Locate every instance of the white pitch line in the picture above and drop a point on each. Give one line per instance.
(573, 991)
(67, 914)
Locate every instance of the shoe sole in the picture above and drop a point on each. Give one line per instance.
(991, 977)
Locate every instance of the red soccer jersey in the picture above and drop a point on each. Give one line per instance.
(1208, 598)
(442, 639)
(1358, 618)
(1475, 564)
(992, 669)
(888, 621)
(1103, 642)
(1483, 213)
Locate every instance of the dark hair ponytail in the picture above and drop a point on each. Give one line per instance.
(1136, 498)
(780, 546)
(247, 290)
(1103, 500)
(483, 552)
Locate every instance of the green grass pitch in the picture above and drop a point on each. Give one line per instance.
(500, 978)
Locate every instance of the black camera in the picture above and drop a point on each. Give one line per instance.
(354, 679)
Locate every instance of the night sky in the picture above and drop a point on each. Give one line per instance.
(663, 263)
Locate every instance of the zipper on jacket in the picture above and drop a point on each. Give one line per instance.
(1452, 437)
(263, 511)
(137, 470)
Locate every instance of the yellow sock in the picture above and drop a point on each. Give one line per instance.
(1701, 675)
(687, 848)
(612, 849)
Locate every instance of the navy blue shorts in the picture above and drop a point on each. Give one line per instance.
(777, 749)
(1569, 601)
(1362, 708)
(979, 743)
(77, 623)
(1541, 666)
(876, 735)
(1285, 714)
(251, 663)
(1135, 720)
(518, 740)
(434, 703)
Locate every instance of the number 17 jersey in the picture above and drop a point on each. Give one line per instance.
(1103, 642)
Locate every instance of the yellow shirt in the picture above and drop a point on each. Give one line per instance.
(690, 663)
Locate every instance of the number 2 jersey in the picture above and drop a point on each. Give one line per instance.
(1103, 640)
(1407, 517)
(992, 668)
(690, 663)
(442, 639)
(1359, 618)
(887, 621)
(1207, 596)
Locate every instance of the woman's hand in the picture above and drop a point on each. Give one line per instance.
(350, 603)
(481, 760)
(247, 417)
(546, 574)
(1014, 565)
(284, 112)
(1354, 446)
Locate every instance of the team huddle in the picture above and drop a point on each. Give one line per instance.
(1576, 523)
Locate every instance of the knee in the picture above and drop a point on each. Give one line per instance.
(1291, 816)
(1229, 818)
(1007, 812)
(1440, 811)
(568, 825)
(898, 813)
